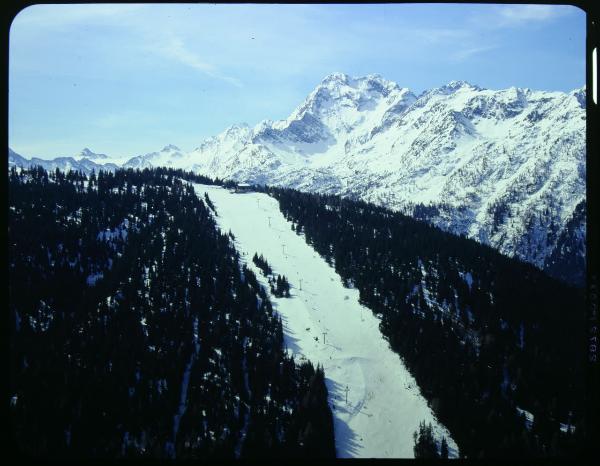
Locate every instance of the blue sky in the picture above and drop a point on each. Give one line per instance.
(128, 79)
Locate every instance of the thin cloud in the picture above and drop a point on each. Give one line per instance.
(520, 14)
(121, 119)
(436, 35)
(57, 16)
(176, 50)
(512, 16)
(111, 120)
(466, 53)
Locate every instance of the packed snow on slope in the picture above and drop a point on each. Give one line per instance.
(567, 428)
(528, 417)
(324, 323)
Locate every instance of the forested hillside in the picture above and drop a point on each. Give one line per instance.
(493, 342)
(135, 330)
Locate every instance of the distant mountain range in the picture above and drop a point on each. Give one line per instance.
(505, 167)
(85, 162)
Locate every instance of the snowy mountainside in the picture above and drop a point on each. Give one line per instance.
(80, 162)
(88, 154)
(567, 260)
(15, 159)
(167, 157)
(505, 167)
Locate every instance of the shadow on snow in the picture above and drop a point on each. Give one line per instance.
(346, 441)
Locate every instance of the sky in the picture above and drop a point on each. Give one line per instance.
(128, 79)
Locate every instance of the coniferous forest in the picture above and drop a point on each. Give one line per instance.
(489, 339)
(135, 331)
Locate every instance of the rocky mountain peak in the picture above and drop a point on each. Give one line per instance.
(580, 95)
(88, 154)
(170, 148)
(335, 78)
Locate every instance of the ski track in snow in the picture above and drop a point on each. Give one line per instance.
(384, 404)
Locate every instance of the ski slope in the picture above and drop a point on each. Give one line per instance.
(324, 322)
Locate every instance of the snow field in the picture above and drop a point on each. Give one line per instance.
(324, 322)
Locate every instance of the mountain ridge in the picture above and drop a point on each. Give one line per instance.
(505, 167)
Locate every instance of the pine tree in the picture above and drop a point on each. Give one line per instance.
(425, 445)
(444, 449)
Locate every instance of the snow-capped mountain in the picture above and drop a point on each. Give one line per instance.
(79, 163)
(15, 159)
(567, 260)
(88, 154)
(505, 167)
(169, 156)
